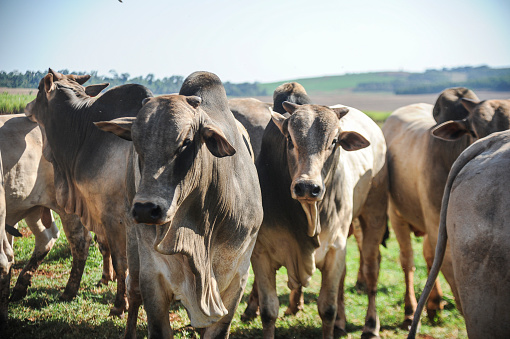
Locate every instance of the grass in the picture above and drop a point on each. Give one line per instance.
(14, 103)
(42, 315)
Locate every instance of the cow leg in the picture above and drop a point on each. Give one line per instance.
(6, 261)
(265, 274)
(44, 241)
(374, 226)
(132, 282)
(403, 234)
(108, 271)
(117, 243)
(231, 298)
(332, 270)
(79, 239)
(341, 320)
(296, 301)
(361, 284)
(434, 303)
(252, 309)
(157, 306)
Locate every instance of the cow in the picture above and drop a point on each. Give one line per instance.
(475, 221)
(6, 258)
(89, 165)
(423, 142)
(316, 176)
(196, 201)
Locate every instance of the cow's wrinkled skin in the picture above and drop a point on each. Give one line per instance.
(89, 165)
(475, 221)
(197, 205)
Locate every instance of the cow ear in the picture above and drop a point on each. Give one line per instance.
(451, 130)
(93, 90)
(340, 111)
(216, 141)
(194, 101)
(352, 141)
(121, 127)
(81, 79)
(48, 83)
(280, 121)
(469, 104)
(290, 107)
(58, 76)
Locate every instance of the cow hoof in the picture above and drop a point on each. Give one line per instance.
(67, 297)
(406, 324)
(433, 315)
(290, 311)
(361, 287)
(369, 336)
(18, 294)
(117, 312)
(248, 316)
(339, 332)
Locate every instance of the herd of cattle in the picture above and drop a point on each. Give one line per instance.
(186, 190)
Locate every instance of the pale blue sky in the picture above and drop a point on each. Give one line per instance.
(240, 41)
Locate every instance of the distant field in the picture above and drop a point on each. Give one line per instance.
(14, 103)
(42, 315)
(335, 83)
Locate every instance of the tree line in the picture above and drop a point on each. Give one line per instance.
(172, 84)
(434, 81)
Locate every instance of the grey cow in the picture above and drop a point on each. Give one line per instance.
(475, 220)
(197, 205)
(423, 143)
(89, 165)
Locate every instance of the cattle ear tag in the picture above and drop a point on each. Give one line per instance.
(451, 130)
(48, 83)
(353, 141)
(340, 112)
(121, 127)
(216, 141)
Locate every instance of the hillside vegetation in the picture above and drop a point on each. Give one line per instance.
(430, 81)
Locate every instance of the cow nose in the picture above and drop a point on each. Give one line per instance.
(147, 213)
(303, 189)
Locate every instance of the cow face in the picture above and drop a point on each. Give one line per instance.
(174, 139)
(57, 87)
(485, 117)
(313, 135)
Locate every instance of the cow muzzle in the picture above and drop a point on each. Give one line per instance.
(147, 213)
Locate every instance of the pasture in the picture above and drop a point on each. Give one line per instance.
(42, 315)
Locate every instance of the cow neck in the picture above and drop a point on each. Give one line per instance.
(444, 153)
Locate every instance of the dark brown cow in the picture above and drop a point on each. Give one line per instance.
(197, 204)
(89, 165)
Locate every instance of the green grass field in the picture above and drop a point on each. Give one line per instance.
(42, 315)
(14, 103)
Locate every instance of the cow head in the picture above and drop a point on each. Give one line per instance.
(171, 136)
(449, 105)
(313, 136)
(485, 117)
(57, 85)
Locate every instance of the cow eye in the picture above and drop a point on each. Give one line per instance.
(184, 145)
(289, 142)
(334, 142)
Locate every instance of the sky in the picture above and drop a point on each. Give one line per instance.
(256, 40)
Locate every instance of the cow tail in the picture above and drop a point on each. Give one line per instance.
(442, 236)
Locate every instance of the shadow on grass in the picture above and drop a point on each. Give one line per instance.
(21, 329)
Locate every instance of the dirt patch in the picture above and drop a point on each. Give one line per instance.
(29, 91)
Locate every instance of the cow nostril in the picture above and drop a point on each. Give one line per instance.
(156, 213)
(135, 215)
(299, 190)
(316, 190)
